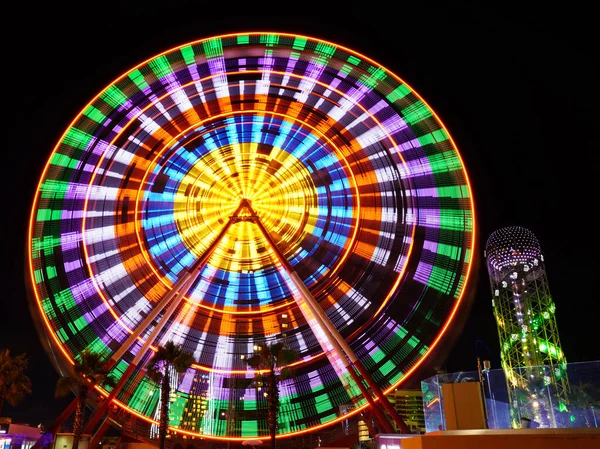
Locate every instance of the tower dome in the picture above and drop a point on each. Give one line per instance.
(512, 245)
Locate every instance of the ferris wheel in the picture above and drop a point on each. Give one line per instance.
(253, 188)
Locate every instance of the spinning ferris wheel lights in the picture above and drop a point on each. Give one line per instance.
(362, 192)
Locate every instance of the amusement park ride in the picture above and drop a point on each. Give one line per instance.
(229, 182)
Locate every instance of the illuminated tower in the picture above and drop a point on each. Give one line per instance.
(533, 362)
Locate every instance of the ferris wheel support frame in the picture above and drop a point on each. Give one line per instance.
(177, 293)
(337, 349)
(341, 347)
(69, 409)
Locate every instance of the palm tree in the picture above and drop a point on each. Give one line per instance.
(14, 384)
(271, 363)
(584, 396)
(168, 357)
(89, 370)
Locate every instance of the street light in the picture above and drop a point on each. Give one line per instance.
(487, 365)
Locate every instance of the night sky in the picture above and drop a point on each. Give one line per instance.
(516, 89)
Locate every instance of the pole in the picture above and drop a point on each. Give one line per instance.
(482, 391)
(553, 422)
(486, 368)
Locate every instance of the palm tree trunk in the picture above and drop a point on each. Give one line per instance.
(165, 389)
(79, 415)
(273, 400)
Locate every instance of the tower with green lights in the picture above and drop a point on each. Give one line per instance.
(532, 359)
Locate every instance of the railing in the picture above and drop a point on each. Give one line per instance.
(536, 402)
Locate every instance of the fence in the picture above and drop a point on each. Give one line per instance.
(536, 402)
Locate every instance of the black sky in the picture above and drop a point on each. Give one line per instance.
(517, 89)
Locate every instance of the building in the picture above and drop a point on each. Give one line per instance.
(531, 356)
(17, 436)
(196, 404)
(409, 406)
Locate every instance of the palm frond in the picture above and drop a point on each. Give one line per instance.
(14, 383)
(64, 386)
(89, 367)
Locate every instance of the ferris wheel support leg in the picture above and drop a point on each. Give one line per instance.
(366, 417)
(384, 401)
(182, 285)
(55, 426)
(175, 296)
(383, 422)
(354, 365)
(340, 346)
(99, 433)
(100, 411)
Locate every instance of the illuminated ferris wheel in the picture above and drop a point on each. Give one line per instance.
(245, 189)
